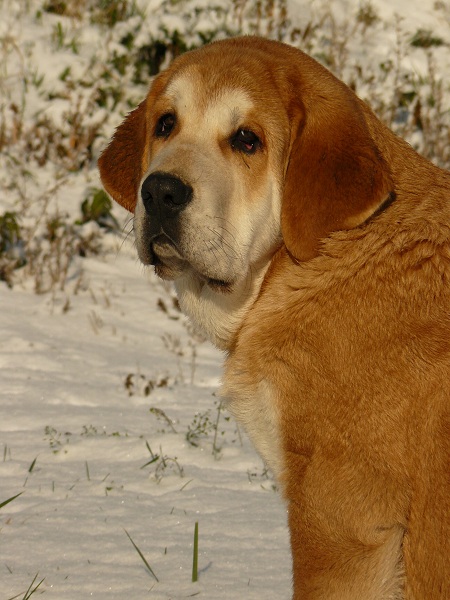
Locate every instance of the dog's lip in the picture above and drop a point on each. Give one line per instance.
(219, 285)
(164, 248)
(165, 254)
(166, 258)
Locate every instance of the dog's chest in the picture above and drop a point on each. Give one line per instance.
(253, 403)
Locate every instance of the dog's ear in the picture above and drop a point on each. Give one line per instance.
(121, 163)
(336, 177)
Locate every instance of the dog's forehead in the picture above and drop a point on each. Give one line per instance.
(215, 102)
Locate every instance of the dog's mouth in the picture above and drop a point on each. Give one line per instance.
(170, 264)
(166, 258)
(218, 285)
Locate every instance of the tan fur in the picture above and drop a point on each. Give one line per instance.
(333, 253)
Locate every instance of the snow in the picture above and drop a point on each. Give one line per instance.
(109, 419)
(64, 403)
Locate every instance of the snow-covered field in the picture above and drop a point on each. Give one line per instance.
(74, 400)
(109, 423)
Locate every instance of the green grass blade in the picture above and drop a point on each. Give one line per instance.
(195, 555)
(144, 560)
(150, 462)
(31, 467)
(30, 591)
(5, 502)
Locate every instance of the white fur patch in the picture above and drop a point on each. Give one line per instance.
(204, 116)
(256, 409)
(218, 315)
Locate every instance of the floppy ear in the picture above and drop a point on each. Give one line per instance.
(336, 177)
(121, 163)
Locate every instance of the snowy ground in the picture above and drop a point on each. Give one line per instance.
(108, 418)
(65, 404)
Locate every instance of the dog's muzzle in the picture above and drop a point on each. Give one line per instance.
(164, 197)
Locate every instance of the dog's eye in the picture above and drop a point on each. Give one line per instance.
(165, 125)
(245, 141)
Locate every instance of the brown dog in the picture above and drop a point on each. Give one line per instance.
(313, 246)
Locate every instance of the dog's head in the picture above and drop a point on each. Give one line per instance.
(241, 147)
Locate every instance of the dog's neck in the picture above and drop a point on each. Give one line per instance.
(218, 314)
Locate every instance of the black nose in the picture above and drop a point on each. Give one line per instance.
(166, 193)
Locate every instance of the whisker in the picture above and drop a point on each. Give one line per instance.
(210, 247)
(231, 235)
(221, 242)
(227, 222)
(127, 234)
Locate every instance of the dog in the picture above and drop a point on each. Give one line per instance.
(312, 245)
